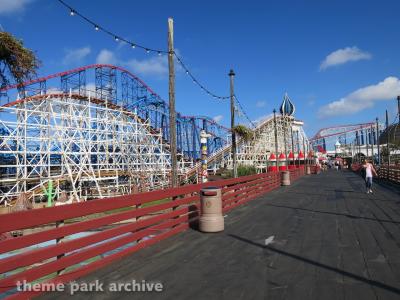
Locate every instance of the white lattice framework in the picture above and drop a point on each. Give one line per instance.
(256, 151)
(87, 148)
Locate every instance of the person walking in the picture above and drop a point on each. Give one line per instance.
(369, 173)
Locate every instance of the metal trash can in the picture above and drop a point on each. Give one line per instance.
(308, 170)
(285, 178)
(211, 218)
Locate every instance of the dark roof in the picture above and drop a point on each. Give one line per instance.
(394, 135)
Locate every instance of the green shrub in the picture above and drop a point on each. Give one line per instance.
(244, 132)
(243, 170)
(246, 170)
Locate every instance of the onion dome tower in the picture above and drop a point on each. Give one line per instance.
(287, 107)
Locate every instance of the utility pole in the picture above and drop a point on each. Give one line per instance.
(398, 107)
(358, 146)
(231, 76)
(172, 112)
(377, 141)
(276, 137)
(387, 143)
(371, 139)
(387, 119)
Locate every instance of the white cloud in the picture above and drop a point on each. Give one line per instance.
(342, 56)
(261, 104)
(12, 6)
(218, 118)
(106, 57)
(154, 66)
(363, 98)
(76, 55)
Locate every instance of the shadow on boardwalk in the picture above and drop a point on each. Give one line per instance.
(327, 239)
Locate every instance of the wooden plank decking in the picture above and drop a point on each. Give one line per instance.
(330, 240)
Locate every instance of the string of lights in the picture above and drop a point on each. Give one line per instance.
(197, 82)
(118, 38)
(239, 105)
(97, 27)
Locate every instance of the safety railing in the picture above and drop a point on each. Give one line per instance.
(296, 173)
(391, 173)
(62, 243)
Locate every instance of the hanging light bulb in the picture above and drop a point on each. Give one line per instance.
(147, 50)
(159, 53)
(187, 72)
(72, 13)
(133, 46)
(116, 38)
(96, 27)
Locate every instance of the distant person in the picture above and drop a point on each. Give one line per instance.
(369, 173)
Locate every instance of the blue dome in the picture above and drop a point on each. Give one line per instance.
(287, 107)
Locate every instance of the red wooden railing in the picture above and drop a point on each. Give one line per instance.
(138, 222)
(296, 173)
(392, 173)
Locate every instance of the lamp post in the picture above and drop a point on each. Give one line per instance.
(371, 139)
(359, 145)
(377, 141)
(366, 141)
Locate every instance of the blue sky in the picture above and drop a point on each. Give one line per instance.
(337, 60)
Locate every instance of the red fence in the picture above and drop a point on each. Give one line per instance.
(113, 228)
(392, 174)
(296, 173)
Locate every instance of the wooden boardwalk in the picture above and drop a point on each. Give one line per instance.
(327, 239)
